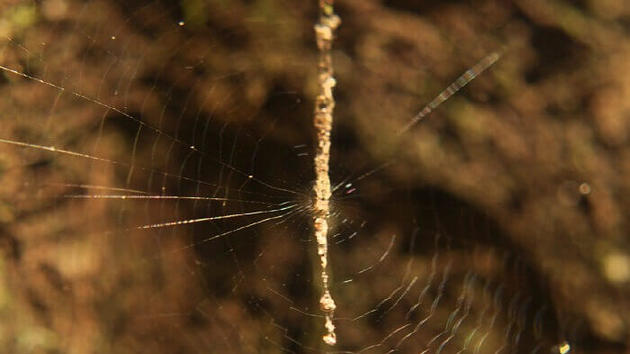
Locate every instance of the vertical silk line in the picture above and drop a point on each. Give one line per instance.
(323, 118)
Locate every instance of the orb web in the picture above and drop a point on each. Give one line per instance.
(156, 167)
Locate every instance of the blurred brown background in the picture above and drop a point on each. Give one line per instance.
(514, 191)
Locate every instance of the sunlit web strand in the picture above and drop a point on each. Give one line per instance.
(212, 218)
(433, 308)
(419, 324)
(360, 177)
(118, 163)
(382, 258)
(98, 187)
(458, 84)
(450, 326)
(426, 288)
(497, 296)
(164, 197)
(149, 127)
(292, 209)
(394, 294)
(479, 323)
(244, 227)
(382, 342)
(455, 86)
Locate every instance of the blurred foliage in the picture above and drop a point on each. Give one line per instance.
(537, 148)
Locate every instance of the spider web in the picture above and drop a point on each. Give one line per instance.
(156, 174)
